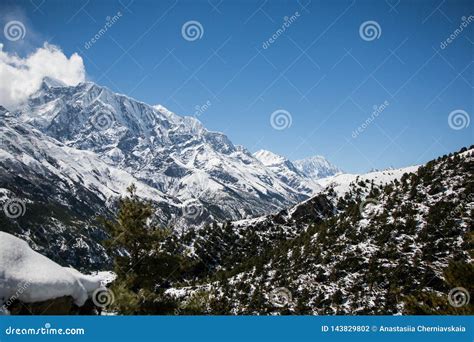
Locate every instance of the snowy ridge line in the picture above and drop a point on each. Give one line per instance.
(341, 184)
(72, 165)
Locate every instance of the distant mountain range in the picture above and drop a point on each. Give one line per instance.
(75, 149)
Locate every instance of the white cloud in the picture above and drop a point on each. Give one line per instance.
(21, 77)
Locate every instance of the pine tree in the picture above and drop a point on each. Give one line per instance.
(458, 276)
(143, 260)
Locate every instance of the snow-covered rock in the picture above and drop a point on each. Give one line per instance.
(269, 158)
(29, 277)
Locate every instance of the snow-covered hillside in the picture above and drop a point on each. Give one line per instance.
(341, 182)
(338, 185)
(294, 220)
(331, 255)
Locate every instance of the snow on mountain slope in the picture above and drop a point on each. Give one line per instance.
(294, 220)
(287, 172)
(316, 167)
(341, 183)
(175, 155)
(60, 190)
(29, 277)
(22, 144)
(269, 158)
(338, 185)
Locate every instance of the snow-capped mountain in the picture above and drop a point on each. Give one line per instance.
(287, 172)
(51, 193)
(75, 149)
(175, 155)
(316, 167)
(343, 244)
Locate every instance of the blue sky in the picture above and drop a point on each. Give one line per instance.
(319, 71)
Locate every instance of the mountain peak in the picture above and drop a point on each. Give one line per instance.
(316, 167)
(268, 158)
(50, 82)
(166, 112)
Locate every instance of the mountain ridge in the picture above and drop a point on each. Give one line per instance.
(85, 144)
(165, 150)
